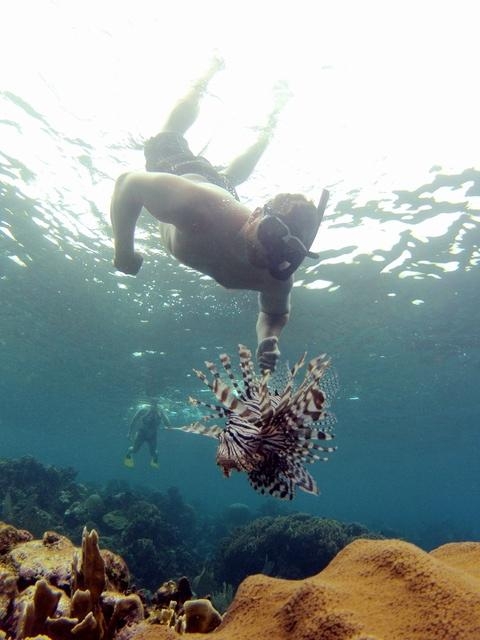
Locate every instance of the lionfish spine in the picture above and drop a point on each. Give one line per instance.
(212, 431)
(212, 368)
(287, 392)
(264, 399)
(227, 365)
(309, 398)
(219, 411)
(247, 369)
(223, 392)
(201, 376)
(320, 362)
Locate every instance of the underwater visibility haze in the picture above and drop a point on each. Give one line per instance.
(383, 115)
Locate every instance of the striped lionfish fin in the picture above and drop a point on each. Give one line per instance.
(219, 410)
(212, 368)
(248, 371)
(285, 395)
(309, 400)
(264, 398)
(212, 431)
(222, 392)
(282, 484)
(227, 365)
(305, 481)
(306, 450)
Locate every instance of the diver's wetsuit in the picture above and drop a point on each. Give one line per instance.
(147, 432)
(168, 152)
(146, 422)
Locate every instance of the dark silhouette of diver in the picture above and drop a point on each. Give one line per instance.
(144, 429)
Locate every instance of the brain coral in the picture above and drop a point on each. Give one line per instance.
(294, 546)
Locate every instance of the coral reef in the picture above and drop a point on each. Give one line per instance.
(201, 616)
(49, 558)
(159, 535)
(178, 592)
(34, 496)
(9, 537)
(138, 526)
(51, 589)
(371, 590)
(294, 546)
(237, 514)
(61, 592)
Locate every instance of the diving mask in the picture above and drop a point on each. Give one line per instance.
(285, 251)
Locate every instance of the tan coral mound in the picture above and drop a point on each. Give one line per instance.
(372, 590)
(464, 556)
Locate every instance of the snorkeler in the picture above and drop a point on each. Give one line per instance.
(204, 225)
(144, 428)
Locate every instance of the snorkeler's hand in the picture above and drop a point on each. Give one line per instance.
(128, 264)
(268, 354)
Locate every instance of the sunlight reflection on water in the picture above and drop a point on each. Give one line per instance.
(348, 127)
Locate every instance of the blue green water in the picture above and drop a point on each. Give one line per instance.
(80, 345)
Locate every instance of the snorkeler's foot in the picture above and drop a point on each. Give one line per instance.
(128, 461)
(266, 131)
(268, 354)
(281, 95)
(154, 462)
(217, 64)
(128, 263)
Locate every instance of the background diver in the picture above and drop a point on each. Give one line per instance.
(204, 225)
(144, 429)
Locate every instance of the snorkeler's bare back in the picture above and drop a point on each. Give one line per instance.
(207, 236)
(202, 225)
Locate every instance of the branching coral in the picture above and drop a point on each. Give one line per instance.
(92, 603)
(92, 612)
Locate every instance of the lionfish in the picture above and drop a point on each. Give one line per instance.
(269, 434)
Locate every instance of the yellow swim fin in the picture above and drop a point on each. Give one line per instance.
(128, 461)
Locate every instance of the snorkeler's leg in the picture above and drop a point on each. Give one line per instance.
(152, 446)
(128, 461)
(138, 442)
(242, 167)
(186, 110)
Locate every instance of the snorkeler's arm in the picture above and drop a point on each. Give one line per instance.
(169, 198)
(273, 315)
(125, 209)
(165, 419)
